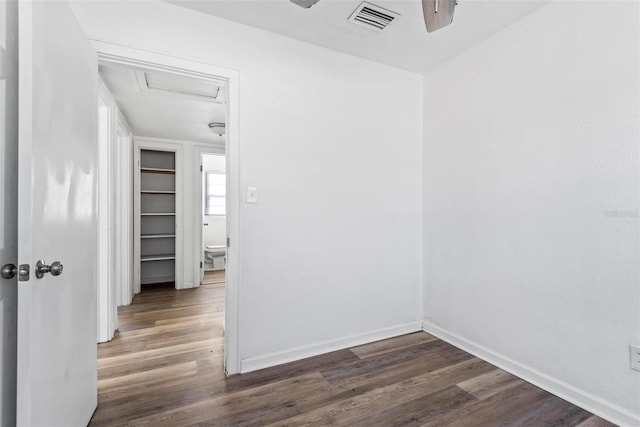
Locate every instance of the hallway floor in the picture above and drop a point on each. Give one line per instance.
(164, 367)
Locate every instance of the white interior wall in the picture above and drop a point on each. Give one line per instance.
(531, 202)
(212, 162)
(107, 312)
(8, 207)
(337, 166)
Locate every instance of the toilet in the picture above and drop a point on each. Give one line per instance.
(215, 254)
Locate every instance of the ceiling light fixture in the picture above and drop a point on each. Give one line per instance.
(217, 128)
(305, 3)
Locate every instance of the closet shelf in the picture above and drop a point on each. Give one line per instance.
(145, 258)
(158, 214)
(156, 192)
(158, 170)
(156, 207)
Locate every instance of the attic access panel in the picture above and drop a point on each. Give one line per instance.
(179, 85)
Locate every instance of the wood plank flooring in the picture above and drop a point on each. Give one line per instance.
(164, 367)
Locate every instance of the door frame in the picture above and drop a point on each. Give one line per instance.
(115, 242)
(123, 268)
(107, 301)
(122, 55)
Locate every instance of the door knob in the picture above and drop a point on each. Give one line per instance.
(41, 268)
(9, 271)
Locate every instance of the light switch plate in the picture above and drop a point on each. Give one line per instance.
(252, 195)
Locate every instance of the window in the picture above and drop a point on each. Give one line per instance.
(215, 189)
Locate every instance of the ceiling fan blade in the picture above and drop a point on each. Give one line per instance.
(305, 3)
(437, 13)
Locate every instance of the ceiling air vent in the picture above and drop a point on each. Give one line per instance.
(373, 17)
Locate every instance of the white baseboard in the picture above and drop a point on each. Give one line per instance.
(298, 353)
(188, 286)
(589, 402)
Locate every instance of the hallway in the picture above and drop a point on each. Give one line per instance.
(164, 367)
(167, 352)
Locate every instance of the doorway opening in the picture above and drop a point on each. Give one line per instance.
(214, 223)
(140, 237)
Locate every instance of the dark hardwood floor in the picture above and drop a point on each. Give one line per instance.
(164, 367)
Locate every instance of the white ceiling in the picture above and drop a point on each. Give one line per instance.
(405, 43)
(161, 113)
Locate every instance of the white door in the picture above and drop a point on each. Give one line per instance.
(8, 207)
(57, 184)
